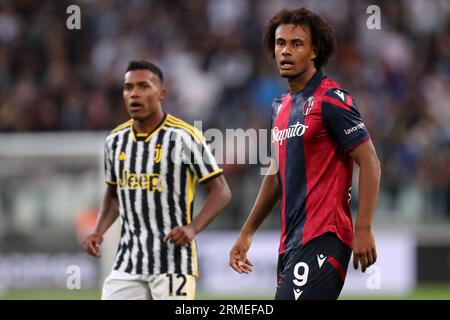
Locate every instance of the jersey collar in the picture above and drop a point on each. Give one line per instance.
(147, 136)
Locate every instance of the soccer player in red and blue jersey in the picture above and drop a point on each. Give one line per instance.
(317, 134)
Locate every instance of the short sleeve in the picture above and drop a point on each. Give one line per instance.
(199, 158)
(342, 119)
(110, 176)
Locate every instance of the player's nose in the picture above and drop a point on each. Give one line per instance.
(134, 93)
(286, 51)
(134, 96)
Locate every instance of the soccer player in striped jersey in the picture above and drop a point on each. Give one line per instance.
(317, 134)
(152, 165)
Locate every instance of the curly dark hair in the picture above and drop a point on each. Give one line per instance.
(322, 34)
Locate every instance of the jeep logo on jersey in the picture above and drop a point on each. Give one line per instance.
(308, 105)
(295, 130)
(145, 181)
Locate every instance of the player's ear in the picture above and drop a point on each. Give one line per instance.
(162, 93)
(314, 54)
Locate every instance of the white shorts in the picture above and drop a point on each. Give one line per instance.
(124, 286)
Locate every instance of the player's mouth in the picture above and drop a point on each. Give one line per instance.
(286, 64)
(135, 106)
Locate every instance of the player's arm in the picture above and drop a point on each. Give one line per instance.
(343, 120)
(364, 250)
(266, 200)
(109, 211)
(219, 195)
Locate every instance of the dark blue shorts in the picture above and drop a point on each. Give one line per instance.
(313, 271)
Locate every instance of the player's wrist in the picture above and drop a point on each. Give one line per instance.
(364, 227)
(195, 228)
(97, 232)
(247, 233)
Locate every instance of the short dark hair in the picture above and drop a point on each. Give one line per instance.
(322, 34)
(145, 65)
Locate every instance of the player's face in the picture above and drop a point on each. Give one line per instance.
(294, 52)
(142, 94)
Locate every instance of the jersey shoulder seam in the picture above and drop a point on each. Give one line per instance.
(122, 126)
(174, 122)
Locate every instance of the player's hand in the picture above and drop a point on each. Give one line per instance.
(364, 251)
(181, 235)
(238, 255)
(92, 244)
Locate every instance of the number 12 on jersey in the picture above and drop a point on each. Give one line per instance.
(178, 281)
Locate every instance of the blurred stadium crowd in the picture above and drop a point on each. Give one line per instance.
(55, 79)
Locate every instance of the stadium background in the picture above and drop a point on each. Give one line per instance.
(60, 93)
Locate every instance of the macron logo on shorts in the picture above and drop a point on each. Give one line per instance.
(297, 293)
(320, 260)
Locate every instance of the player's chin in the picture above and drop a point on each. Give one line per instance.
(288, 73)
(137, 116)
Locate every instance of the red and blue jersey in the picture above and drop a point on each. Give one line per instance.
(312, 133)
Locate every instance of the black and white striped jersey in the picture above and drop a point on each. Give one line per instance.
(155, 175)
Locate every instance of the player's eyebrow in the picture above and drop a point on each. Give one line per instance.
(298, 40)
(129, 83)
(290, 40)
(143, 82)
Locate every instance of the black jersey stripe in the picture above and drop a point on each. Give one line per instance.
(191, 250)
(120, 247)
(191, 153)
(130, 199)
(156, 238)
(203, 159)
(159, 210)
(128, 214)
(123, 147)
(145, 215)
(113, 163)
(196, 160)
(170, 178)
(182, 200)
(197, 155)
(136, 225)
(166, 194)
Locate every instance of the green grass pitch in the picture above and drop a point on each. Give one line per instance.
(430, 292)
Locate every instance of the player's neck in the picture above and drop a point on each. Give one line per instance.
(149, 124)
(299, 82)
